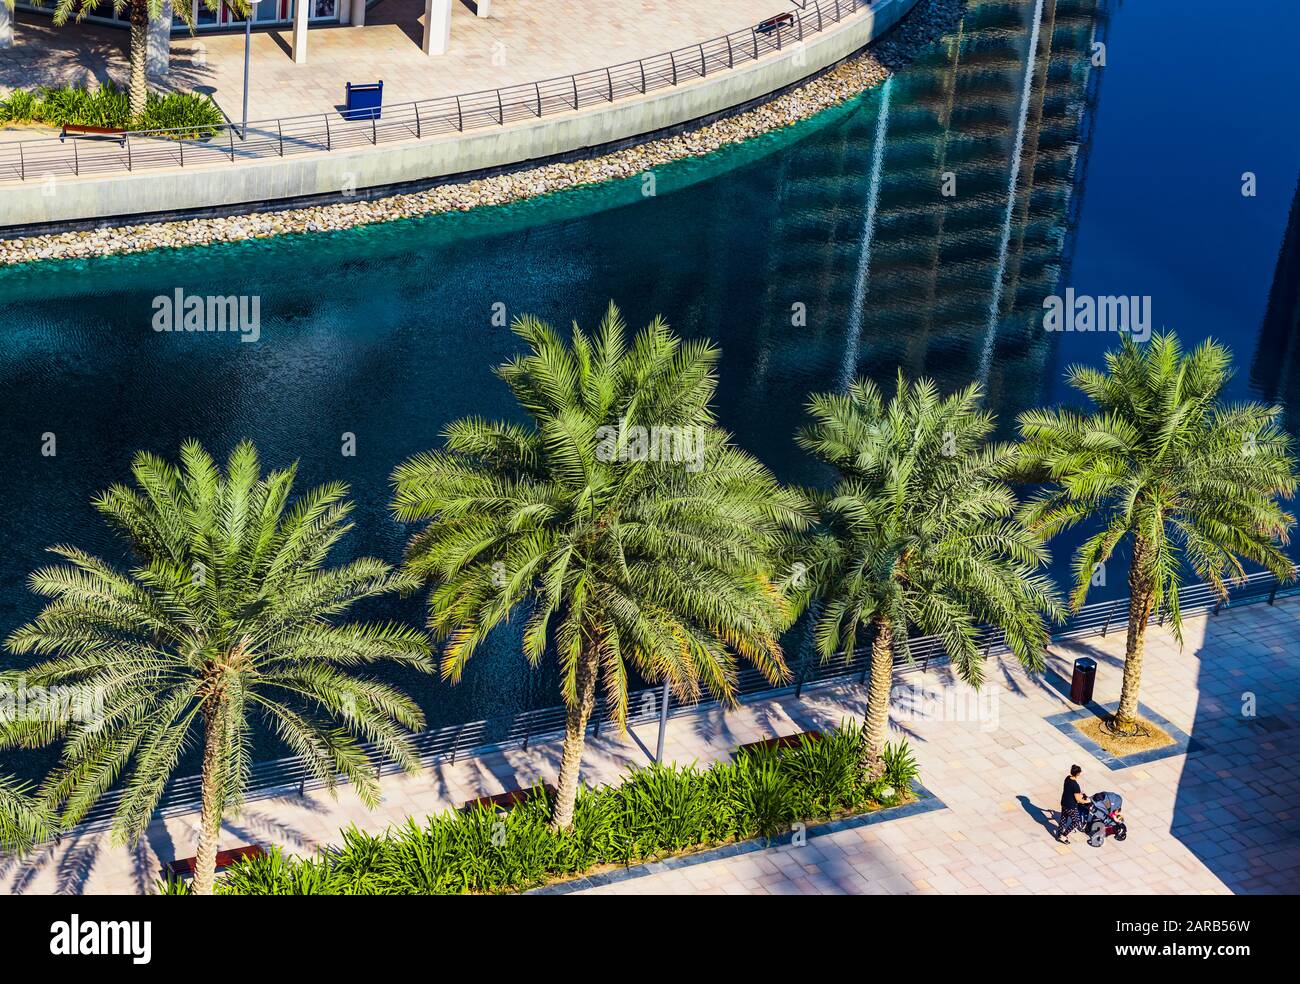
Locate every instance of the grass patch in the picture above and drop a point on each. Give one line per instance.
(1095, 729)
(192, 114)
(653, 813)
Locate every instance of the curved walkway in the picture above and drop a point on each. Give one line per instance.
(522, 41)
(50, 182)
(1218, 820)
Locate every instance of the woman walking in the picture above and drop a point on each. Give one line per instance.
(1073, 802)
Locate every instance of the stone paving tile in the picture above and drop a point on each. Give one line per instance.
(1215, 821)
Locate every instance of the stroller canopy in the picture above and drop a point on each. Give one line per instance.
(1109, 802)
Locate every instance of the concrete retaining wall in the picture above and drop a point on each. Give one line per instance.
(216, 186)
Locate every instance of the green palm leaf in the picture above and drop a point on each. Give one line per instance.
(1168, 470)
(230, 617)
(919, 533)
(621, 559)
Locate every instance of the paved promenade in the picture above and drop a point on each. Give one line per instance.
(522, 41)
(1222, 819)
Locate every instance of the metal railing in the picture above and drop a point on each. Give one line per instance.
(50, 157)
(449, 743)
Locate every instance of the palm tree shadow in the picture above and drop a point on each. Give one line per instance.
(148, 854)
(72, 858)
(1010, 679)
(72, 871)
(82, 54)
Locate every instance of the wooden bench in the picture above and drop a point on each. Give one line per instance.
(184, 867)
(504, 801)
(777, 744)
(775, 23)
(92, 132)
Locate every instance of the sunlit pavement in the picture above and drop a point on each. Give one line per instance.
(1222, 819)
(522, 41)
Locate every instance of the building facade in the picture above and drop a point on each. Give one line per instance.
(267, 13)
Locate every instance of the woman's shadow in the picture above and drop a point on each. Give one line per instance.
(1044, 818)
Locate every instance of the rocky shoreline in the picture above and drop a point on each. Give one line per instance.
(927, 21)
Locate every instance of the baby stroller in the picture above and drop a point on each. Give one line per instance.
(1105, 819)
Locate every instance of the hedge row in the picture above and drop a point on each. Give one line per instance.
(652, 813)
(193, 114)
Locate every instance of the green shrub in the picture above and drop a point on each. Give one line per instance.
(192, 114)
(826, 772)
(19, 107)
(765, 792)
(653, 812)
(900, 768)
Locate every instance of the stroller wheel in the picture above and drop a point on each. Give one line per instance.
(1096, 839)
(1121, 833)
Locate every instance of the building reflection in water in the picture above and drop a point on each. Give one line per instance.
(856, 226)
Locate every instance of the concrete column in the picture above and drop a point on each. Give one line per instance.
(358, 12)
(6, 25)
(158, 59)
(437, 26)
(301, 8)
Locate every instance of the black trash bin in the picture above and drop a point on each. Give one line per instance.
(1085, 675)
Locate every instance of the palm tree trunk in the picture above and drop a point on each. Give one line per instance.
(205, 864)
(576, 717)
(139, 57)
(1141, 599)
(876, 730)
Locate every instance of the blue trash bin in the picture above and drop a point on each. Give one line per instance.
(364, 101)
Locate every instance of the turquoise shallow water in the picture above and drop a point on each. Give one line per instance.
(1119, 180)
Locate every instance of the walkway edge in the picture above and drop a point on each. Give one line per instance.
(926, 802)
(148, 192)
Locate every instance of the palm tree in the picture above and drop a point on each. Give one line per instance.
(919, 531)
(625, 552)
(1164, 464)
(230, 612)
(142, 12)
(23, 820)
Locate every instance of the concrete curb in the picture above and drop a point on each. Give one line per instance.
(926, 802)
(150, 192)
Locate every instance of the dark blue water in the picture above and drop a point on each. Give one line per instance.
(1117, 180)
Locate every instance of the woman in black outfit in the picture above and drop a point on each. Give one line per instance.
(1073, 802)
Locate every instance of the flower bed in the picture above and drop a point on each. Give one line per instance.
(190, 114)
(653, 813)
